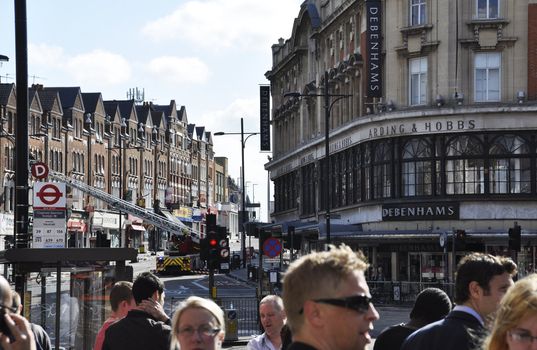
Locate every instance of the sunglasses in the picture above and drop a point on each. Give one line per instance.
(358, 303)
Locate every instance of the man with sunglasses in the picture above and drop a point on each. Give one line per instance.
(327, 301)
(481, 282)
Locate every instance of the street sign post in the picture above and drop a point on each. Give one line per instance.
(49, 224)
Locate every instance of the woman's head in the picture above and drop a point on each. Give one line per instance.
(513, 319)
(198, 323)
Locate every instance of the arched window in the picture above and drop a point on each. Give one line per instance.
(509, 169)
(382, 175)
(465, 166)
(417, 168)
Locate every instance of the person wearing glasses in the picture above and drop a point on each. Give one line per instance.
(272, 317)
(515, 326)
(146, 326)
(198, 324)
(481, 282)
(432, 304)
(327, 301)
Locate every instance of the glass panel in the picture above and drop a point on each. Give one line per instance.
(82, 304)
(482, 8)
(494, 85)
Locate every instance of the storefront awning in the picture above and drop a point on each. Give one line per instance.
(77, 225)
(336, 230)
(137, 227)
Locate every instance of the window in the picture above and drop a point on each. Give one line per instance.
(465, 173)
(488, 9)
(487, 77)
(382, 175)
(417, 12)
(510, 168)
(416, 168)
(418, 81)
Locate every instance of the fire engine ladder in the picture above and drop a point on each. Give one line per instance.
(174, 227)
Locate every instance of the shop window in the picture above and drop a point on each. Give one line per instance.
(465, 166)
(487, 9)
(418, 81)
(417, 12)
(416, 170)
(509, 171)
(382, 170)
(487, 76)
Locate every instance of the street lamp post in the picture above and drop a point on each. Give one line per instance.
(243, 195)
(328, 104)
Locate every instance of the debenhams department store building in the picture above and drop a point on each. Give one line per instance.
(444, 141)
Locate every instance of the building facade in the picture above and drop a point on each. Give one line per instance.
(134, 150)
(432, 136)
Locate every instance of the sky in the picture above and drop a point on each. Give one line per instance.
(208, 55)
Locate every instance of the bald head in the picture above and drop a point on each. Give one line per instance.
(5, 292)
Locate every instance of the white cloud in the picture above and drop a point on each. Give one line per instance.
(45, 55)
(227, 23)
(97, 68)
(179, 70)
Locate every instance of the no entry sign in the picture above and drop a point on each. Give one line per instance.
(49, 195)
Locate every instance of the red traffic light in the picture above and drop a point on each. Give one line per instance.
(213, 242)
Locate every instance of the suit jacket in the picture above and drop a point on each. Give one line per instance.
(459, 330)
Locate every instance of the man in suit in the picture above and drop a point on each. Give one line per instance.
(481, 282)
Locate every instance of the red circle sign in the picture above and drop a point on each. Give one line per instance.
(272, 247)
(49, 194)
(39, 170)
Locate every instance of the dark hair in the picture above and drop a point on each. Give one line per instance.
(145, 285)
(121, 291)
(432, 304)
(286, 335)
(481, 268)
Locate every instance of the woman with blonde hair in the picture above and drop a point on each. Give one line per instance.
(515, 326)
(198, 323)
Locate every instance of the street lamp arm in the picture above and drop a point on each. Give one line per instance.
(247, 137)
(339, 97)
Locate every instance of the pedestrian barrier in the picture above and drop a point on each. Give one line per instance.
(400, 292)
(245, 317)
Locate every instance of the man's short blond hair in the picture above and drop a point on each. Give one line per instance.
(275, 300)
(317, 275)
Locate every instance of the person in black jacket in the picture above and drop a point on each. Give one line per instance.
(481, 282)
(145, 327)
(432, 304)
(42, 340)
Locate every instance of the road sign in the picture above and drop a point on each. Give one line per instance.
(49, 228)
(39, 170)
(48, 195)
(272, 247)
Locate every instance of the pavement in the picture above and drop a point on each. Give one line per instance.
(389, 314)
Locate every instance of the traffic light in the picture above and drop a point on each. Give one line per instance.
(515, 237)
(212, 241)
(223, 249)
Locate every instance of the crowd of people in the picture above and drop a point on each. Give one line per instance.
(326, 304)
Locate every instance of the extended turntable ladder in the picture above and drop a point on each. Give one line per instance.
(175, 227)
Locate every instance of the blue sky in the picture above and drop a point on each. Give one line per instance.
(208, 55)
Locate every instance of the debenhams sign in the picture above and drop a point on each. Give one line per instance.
(420, 211)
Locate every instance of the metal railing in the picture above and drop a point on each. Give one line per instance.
(401, 292)
(247, 312)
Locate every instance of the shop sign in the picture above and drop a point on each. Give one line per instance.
(420, 211)
(374, 48)
(183, 214)
(196, 215)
